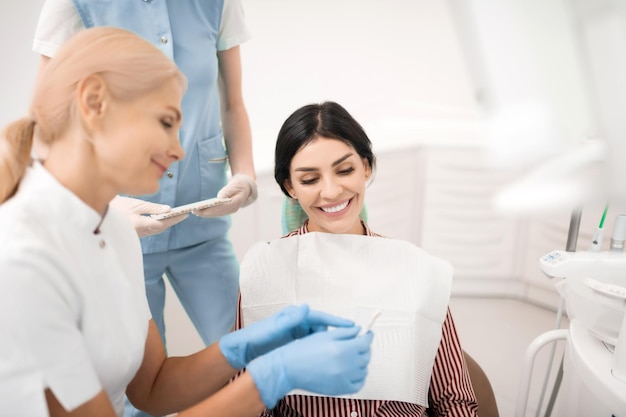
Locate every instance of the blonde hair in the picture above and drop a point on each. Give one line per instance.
(129, 65)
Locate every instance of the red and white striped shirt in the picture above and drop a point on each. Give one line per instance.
(450, 393)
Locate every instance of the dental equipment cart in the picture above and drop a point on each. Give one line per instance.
(593, 287)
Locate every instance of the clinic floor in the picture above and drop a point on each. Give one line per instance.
(494, 331)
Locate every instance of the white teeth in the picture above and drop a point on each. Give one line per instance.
(336, 208)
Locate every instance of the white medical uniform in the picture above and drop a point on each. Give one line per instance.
(73, 311)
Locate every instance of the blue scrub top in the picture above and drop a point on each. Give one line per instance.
(187, 31)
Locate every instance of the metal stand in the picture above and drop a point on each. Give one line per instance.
(570, 246)
(551, 336)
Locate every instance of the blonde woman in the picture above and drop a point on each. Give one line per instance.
(75, 328)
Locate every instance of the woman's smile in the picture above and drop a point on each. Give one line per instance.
(162, 167)
(336, 209)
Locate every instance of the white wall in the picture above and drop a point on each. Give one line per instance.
(385, 61)
(19, 63)
(526, 61)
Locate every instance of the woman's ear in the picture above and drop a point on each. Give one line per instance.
(367, 168)
(91, 100)
(290, 189)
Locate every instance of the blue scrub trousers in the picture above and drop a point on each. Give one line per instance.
(205, 278)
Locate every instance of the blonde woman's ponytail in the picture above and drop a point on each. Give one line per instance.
(16, 143)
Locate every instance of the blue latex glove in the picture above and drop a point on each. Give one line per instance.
(287, 325)
(330, 363)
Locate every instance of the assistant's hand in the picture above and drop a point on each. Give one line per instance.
(330, 363)
(242, 191)
(134, 208)
(287, 325)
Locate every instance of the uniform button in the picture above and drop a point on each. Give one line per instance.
(354, 414)
(170, 175)
(163, 38)
(102, 244)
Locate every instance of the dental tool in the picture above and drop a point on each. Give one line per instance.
(187, 208)
(369, 325)
(596, 241)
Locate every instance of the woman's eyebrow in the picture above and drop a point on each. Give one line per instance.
(334, 164)
(343, 158)
(305, 169)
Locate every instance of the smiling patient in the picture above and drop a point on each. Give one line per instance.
(323, 159)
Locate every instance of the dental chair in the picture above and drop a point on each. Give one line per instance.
(487, 406)
(293, 216)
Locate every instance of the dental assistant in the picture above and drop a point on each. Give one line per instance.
(76, 334)
(195, 253)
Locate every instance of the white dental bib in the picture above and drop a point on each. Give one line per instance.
(352, 276)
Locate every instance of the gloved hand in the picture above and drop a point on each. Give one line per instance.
(242, 191)
(134, 208)
(289, 324)
(330, 363)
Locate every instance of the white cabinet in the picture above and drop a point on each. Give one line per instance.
(460, 224)
(394, 198)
